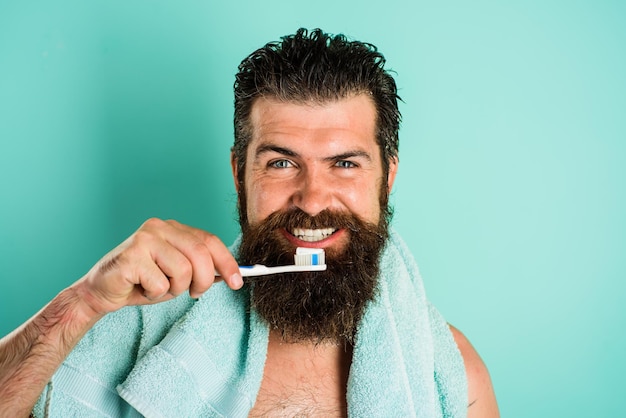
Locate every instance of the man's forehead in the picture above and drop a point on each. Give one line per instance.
(351, 117)
(314, 103)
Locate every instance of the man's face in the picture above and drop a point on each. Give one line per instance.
(314, 178)
(314, 157)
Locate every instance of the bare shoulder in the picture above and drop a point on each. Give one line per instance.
(482, 399)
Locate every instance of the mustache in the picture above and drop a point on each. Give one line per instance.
(297, 218)
(264, 242)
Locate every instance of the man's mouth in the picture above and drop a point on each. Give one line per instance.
(312, 235)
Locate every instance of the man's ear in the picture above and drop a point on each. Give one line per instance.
(393, 170)
(235, 170)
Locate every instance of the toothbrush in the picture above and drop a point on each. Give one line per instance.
(306, 259)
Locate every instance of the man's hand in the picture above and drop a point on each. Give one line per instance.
(158, 262)
(161, 260)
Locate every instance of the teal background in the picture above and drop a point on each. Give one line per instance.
(510, 191)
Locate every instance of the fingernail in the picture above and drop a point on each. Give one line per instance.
(236, 280)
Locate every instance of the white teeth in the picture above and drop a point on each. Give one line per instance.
(312, 235)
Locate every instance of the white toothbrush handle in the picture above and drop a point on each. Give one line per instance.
(261, 270)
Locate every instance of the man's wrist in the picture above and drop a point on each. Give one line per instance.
(66, 319)
(88, 308)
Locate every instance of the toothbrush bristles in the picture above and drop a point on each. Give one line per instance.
(309, 257)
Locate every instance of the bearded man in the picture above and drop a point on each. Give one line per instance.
(151, 329)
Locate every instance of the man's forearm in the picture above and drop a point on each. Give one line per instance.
(30, 355)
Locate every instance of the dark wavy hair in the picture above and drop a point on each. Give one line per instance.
(320, 67)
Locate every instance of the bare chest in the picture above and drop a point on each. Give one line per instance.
(299, 401)
(302, 383)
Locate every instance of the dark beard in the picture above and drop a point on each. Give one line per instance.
(314, 306)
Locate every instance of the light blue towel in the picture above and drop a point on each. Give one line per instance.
(405, 361)
(210, 362)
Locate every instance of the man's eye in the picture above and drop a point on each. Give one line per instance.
(280, 164)
(345, 164)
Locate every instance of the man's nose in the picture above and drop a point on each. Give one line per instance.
(313, 192)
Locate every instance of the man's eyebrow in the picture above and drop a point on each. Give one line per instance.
(349, 154)
(275, 148)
